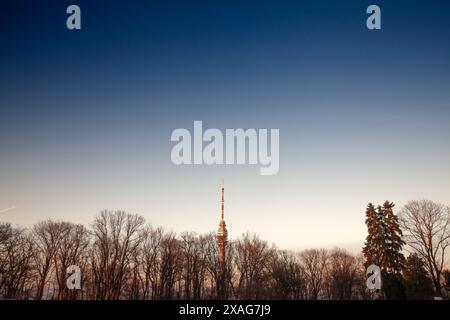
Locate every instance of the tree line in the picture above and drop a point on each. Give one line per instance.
(123, 257)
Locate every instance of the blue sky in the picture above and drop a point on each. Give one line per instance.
(86, 116)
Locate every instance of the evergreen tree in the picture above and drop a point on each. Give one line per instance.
(373, 244)
(417, 282)
(383, 248)
(393, 286)
(393, 240)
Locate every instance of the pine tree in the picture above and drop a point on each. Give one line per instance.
(417, 282)
(373, 242)
(393, 240)
(383, 248)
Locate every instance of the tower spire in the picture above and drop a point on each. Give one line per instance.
(223, 201)
(222, 233)
(222, 238)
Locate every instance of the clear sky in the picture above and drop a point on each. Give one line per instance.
(86, 116)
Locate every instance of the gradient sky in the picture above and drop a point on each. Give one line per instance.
(86, 116)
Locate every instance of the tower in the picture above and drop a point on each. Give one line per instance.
(222, 238)
(222, 234)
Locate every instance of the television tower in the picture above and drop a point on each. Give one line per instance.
(222, 234)
(222, 238)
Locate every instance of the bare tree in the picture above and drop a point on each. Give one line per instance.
(194, 264)
(170, 265)
(314, 262)
(6, 233)
(16, 250)
(252, 260)
(116, 238)
(360, 290)
(47, 237)
(212, 255)
(289, 278)
(200, 269)
(71, 251)
(148, 261)
(426, 227)
(342, 274)
(213, 267)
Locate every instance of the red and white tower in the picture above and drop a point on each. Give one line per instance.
(222, 234)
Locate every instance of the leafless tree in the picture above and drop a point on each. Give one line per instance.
(289, 278)
(213, 267)
(16, 250)
(147, 260)
(170, 265)
(194, 264)
(426, 226)
(71, 251)
(6, 233)
(47, 237)
(252, 259)
(116, 238)
(360, 291)
(342, 275)
(314, 262)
